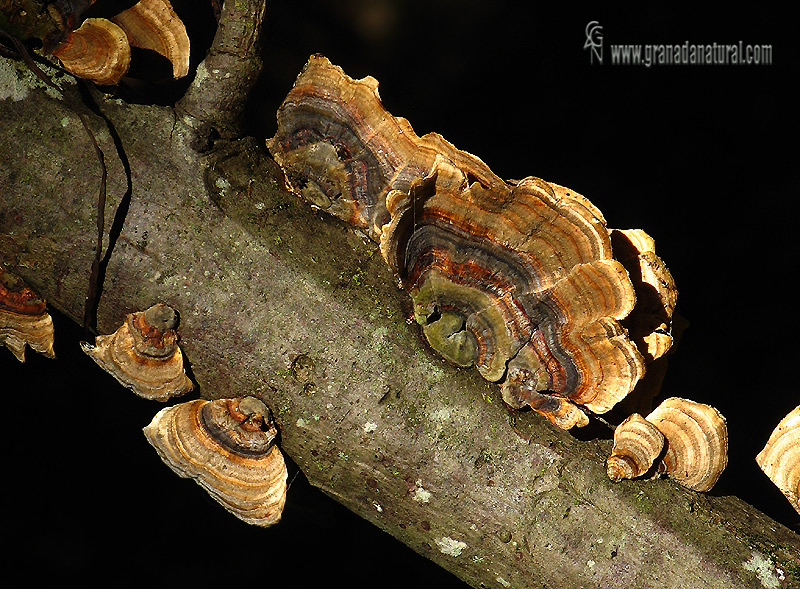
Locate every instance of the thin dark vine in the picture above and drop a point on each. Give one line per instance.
(93, 288)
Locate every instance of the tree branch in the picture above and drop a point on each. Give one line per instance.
(214, 104)
(283, 302)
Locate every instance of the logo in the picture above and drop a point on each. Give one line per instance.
(594, 41)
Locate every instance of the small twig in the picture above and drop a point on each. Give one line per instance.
(608, 424)
(289, 486)
(214, 104)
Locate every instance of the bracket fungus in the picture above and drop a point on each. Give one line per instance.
(24, 320)
(687, 441)
(516, 278)
(228, 447)
(153, 25)
(696, 442)
(143, 354)
(650, 322)
(780, 458)
(100, 48)
(638, 444)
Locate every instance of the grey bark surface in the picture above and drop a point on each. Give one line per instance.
(281, 301)
(230, 69)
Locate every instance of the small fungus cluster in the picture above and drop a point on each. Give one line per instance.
(98, 47)
(685, 440)
(143, 354)
(24, 320)
(226, 446)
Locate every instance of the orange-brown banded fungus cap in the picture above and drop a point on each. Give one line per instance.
(696, 439)
(98, 50)
(227, 447)
(153, 24)
(650, 322)
(339, 148)
(143, 354)
(780, 458)
(515, 278)
(637, 445)
(24, 320)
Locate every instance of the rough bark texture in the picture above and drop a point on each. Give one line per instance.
(211, 105)
(282, 301)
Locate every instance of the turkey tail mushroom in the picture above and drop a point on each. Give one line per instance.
(153, 25)
(780, 458)
(637, 445)
(650, 321)
(515, 278)
(696, 439)
(143, 354)
(24, 320)
(98, 51)
(227, 447)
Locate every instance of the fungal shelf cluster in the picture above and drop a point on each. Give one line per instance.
(521, 279)
(24, 320)
(227, 446)
(98, 48)
(518, 278)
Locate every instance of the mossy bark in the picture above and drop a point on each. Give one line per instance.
(281, 301)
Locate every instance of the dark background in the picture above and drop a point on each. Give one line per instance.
(704, 158)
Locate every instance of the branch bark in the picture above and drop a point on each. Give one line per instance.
(278, 300)
(215, 102)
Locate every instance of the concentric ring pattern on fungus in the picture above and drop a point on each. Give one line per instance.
(516, 278)
(227, 447)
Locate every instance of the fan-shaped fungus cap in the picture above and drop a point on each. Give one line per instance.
(650, 322)
(697, 442)
(96, 51)
(637, 445)
(339, 148)
(228, 447)
(24, 319)
(153, 24)
(143, 354)
(516, 278)
(780, 458)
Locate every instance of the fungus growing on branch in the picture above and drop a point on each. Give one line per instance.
(227, 447)
(143, 354)
(518, 279)
(24, 320)
(696, 442)
(98, 51)
(780, 458)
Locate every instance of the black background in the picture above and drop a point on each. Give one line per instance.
(704, 158)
